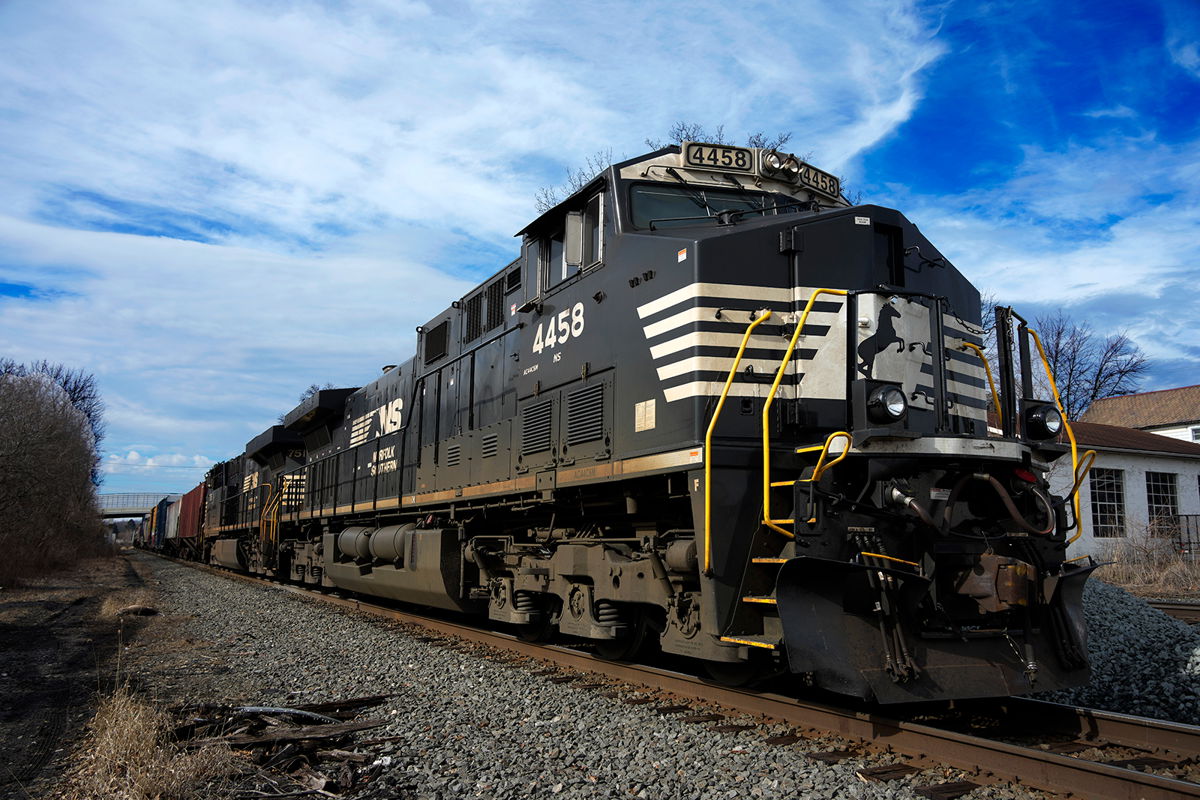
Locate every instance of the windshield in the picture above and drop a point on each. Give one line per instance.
(665, 205)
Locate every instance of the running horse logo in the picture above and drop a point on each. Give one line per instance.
(885, 334)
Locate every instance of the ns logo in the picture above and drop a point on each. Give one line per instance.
(390, 416)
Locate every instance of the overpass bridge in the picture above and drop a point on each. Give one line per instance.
(130, 504)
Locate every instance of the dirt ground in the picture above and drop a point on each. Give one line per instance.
(60, 640)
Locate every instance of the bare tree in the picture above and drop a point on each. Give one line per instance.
(79, 387)
(48, 515)
(1086, 367)
(549, 196)
(312, 389)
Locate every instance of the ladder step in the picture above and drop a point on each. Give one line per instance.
(753, 641)
(758, 599)
(769, 560)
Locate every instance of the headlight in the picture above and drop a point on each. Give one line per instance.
(1043, 421)
(772, 162)
(887, 404)
(791, 168)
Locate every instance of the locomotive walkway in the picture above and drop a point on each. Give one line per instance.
(1046, 746)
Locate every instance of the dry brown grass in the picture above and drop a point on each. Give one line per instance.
(128, 755)
(1151, 567)
(114, 602)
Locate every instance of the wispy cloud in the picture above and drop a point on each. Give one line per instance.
(1107, 232)
(1183, 34)
(1113, 112)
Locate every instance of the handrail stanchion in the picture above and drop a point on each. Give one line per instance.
(1070, 435)
(712, 424)
(766, 419)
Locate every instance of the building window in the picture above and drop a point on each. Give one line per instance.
(1162, 502)
(1108, 502)
(1196, 434)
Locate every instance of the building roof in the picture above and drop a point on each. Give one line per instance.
(1148, 409)
(1114, 437)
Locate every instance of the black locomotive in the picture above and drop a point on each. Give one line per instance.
(712, 408)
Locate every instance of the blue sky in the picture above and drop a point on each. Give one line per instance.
(211, 206)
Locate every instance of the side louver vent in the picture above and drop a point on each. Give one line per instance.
(585, 415)
(535, 429)
(453, 455)
(489, 445)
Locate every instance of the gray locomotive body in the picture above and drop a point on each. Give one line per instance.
(713, 408)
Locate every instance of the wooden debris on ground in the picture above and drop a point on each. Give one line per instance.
(296, 751)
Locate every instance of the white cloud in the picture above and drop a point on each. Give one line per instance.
(351, 168)
(1183, 34)
(1112, 112)
(1107, 232)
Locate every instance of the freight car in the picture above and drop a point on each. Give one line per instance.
(711, 408)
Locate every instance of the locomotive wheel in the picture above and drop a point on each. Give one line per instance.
(735, 674)
(629, 645)
(537, 632)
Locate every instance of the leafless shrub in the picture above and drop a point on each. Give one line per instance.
(48, 516)
(128, 755)
(1151, 566)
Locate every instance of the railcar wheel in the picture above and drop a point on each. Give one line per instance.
(631, 644)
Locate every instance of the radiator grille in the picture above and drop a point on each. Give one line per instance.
(495, 306)
(535, 429)
(453, 455)
(473, 318)
(585, 415)
(489, 445)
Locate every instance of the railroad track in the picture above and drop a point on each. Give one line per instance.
(1187, 612)
(1055, 748)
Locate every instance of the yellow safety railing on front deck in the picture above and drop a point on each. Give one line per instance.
(712, 424)
(773, 524)
(1075, 472)
(991, 383)
(820, 468)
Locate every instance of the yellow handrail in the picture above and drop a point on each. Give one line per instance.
(262, 515)
(766, 419)
(712, 424)
(821, 465)
(819, 469)
(275, 517)
(991, 383)
(1070, 433)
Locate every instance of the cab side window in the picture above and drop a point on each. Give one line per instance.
(592, 226)
(554, 266)
(576, 246)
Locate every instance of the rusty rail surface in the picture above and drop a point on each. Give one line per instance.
(997, 761)
(1186, 612)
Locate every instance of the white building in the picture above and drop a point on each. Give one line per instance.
(1170, 412)
(1141, 483)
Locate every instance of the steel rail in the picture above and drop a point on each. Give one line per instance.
(1003, 761)
(1093, 725)
(1185, 612)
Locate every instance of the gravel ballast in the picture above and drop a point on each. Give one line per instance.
(468, 727)
(1144, 661)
